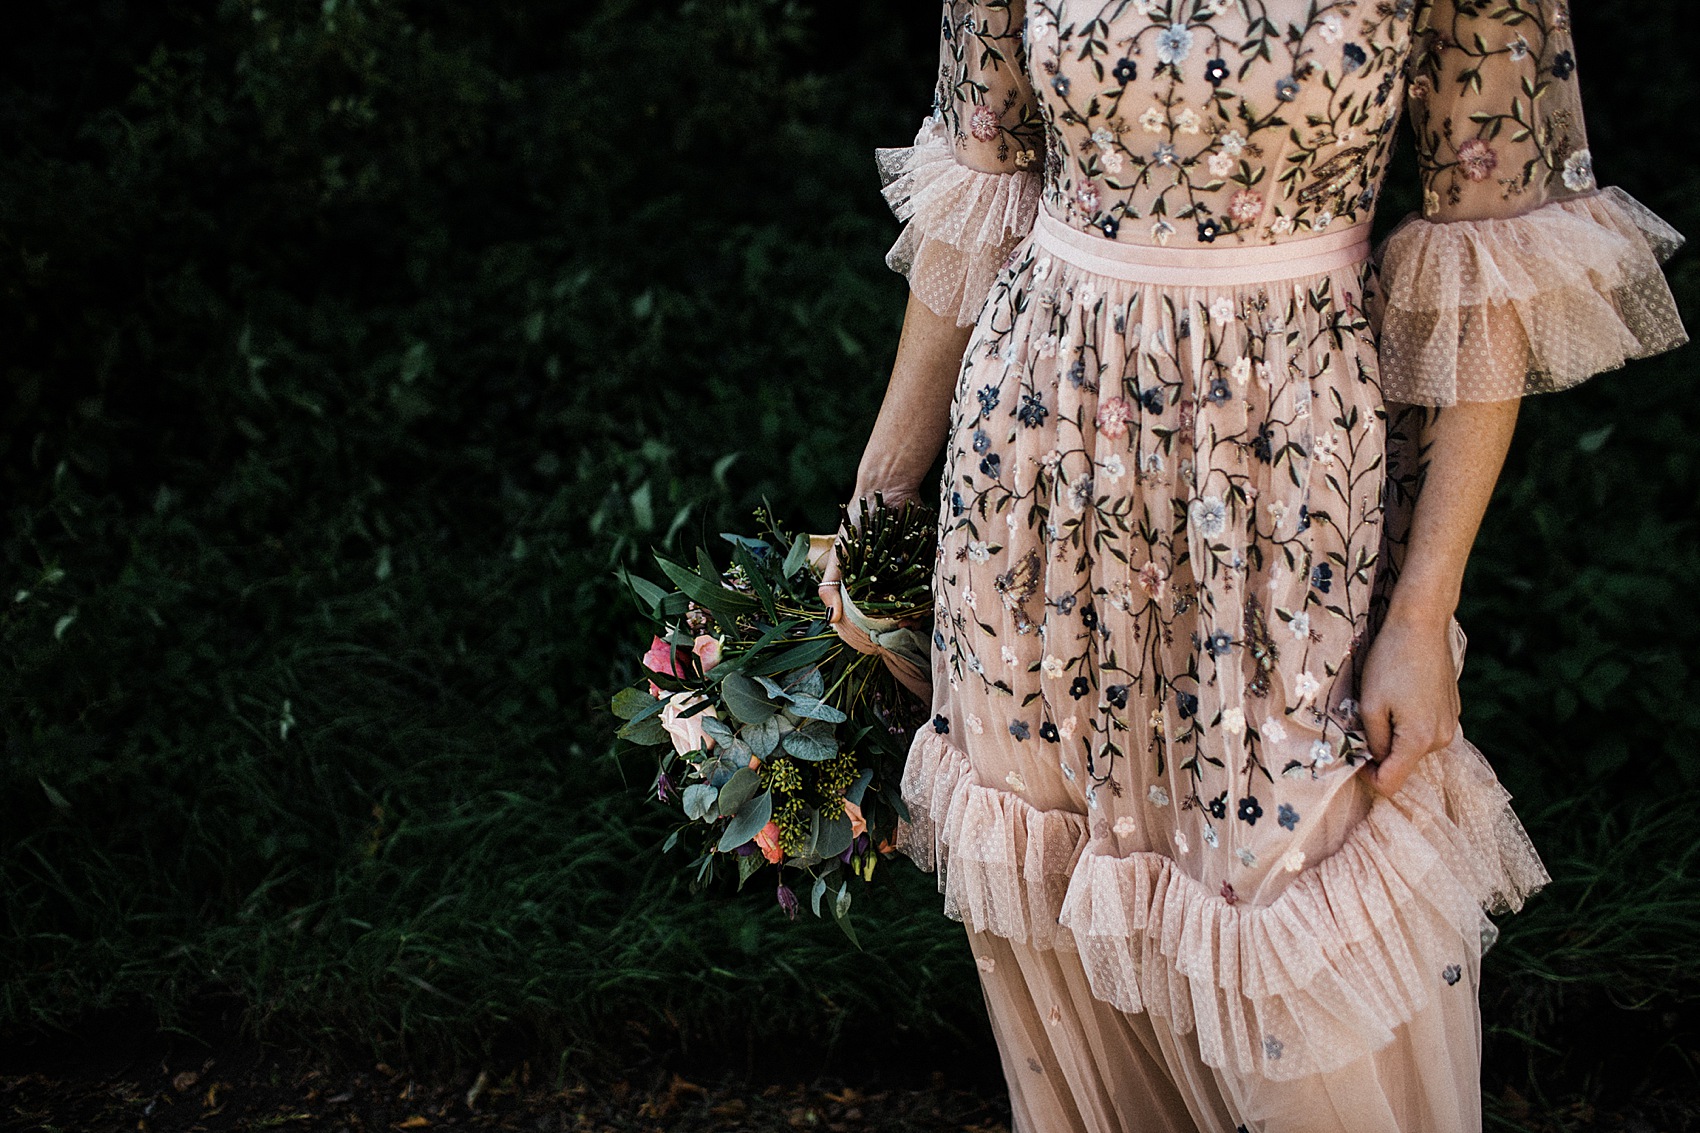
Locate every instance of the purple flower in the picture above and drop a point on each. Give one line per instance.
(664, 787)
(787, 900)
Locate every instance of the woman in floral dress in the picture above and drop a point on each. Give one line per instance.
(1195, 784)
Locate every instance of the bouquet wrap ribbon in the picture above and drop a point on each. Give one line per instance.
(905, 650)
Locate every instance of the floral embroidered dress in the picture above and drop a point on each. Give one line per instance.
(1177, 480)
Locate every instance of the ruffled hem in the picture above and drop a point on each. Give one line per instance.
(1488, 310)
(1313, 980)
(960, 223)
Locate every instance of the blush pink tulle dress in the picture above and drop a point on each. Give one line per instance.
(1178, 478)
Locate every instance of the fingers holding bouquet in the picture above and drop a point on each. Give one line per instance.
(876, 582)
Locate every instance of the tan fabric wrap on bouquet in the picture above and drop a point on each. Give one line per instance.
(905, 650)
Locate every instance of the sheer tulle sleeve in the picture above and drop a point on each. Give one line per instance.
(967, 190)
(1521, 275)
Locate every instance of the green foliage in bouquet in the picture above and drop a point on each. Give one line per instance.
(779, 743)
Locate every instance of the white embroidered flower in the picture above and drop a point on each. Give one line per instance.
(1154, 120)
(1579, 171)
(1324, 447)
(1322, 220)
(1247, 858)
(1241, 370)
(1048, 346)
(1431, 202)
(1092, 796)
(1273, 730)
(1052, 665)
(1232, 143)
(1307, 686)
(1300, 625)
(1277, 513)
(1301, 401)
(975, 724)
(1112, 467)
(1161, 231)
(1015, 780)
(968, 598)
(978, 551)
(1174, 43)
(1293, 861)
(1519, 48)
(1125, 825)
(1181, 842)
(1008, 655)
(1263, 375)
(1113, 161)
(1282, 225)
(1322, 753)
(1210, 515)
(1157, 795)
(1102, 138)
(1220, 165)
(1065, 730)
(985, 963)
(1147, 7)
(1330, 29)
(974, 665)
(1222, 310)
(1011, 522)
(1233, 721)
(1151, 463)
(1187, 121)
(1210, 838)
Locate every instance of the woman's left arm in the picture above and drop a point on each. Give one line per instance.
(1520, 276)
(1408, 694)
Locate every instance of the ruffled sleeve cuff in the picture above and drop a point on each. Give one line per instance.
(1489, 310)
(960, 223)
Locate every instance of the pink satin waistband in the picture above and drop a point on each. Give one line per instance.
(1219, 265)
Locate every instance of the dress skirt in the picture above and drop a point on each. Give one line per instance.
(1173, 501)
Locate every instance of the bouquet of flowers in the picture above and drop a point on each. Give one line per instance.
(780, 734)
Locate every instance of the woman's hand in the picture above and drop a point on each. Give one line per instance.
(1408, 698)
(830, 578)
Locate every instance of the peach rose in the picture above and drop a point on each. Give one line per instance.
(768, 839)
(707, 648)
(687, 732)
(858, 825)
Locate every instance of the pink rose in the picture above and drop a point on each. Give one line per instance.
(686, 731)
(663, 658)
(707, 648)
(767, 838)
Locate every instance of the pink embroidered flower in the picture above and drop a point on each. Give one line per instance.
(1113, 415)
(1152, 580)
(983, 124)
(1087, 195)
(1478, 159)
(1245, 206)
(663, 658)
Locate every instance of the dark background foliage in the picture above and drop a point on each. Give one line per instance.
(349, 346)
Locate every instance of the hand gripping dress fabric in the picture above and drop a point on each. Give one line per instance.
(1178, 481)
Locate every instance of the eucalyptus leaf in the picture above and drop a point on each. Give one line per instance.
(737, 790)
(816, 709)
(747, 865)
(717, 729)
(808, 744)
(699, 800)
(646, 731)
(749, 820)
(773, 687)
(808, 681)
(630, 702)
(815, 893)
(841, 912)
(745, 700)
(763, 738)
(835, 836)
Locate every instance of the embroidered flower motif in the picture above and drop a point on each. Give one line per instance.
(1216, 71)
(1018, 729)
(1250, 810)
(1579, 171)
(1181, 843)
(1478, 159)
(1306, 686)
(1229, 895)
(941, 724)
(1321, 753)
(1245, 206)
(1113, 415)
(1154, 120)
(1222, 310)
(1174, 44)
(983, 124)
(1286, 816)
(1247, 858)
(1210, 515)
(1273, 1047)
(1187, 121)
(1210, 837)
(1112, 467)
(1293, 861)
(1125, 71)
(1233, 721)
(1014, 778)
(1157, 795)
(985, 963)
(1330, 29)
(1452, 973)
(1125, 825)
(1161, 231)
(1286, 88)
(975, 724)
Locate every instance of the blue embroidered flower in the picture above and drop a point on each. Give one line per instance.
(1125, 71)
(1563, 64)
(1218, 806)
(1216, 71)
(1250, 810)
(989, 397)
(1219, 391)
(982, 442)
(1322, 577)
(1304, 517)
(1079, 687)
(1219, 643)
(1186, 703)
(1088, 616)
(1287, 816)
(1208, 228)
(1262, 445)
(1353, 57)
(1452, 973)
(991, 464)
(1116, 695)
(941, 725)
(957, 507)
(1048, 732)
(1110, 226)
(1286, 88)
(1065, 604)
(1272, 1047)
(1152, 399)
(1018, 729)
(1060, 85)
(1032, 411)
(1174, 44)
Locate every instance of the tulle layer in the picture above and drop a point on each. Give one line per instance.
(1486, 310)
(960, 223)
(1309, 982)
